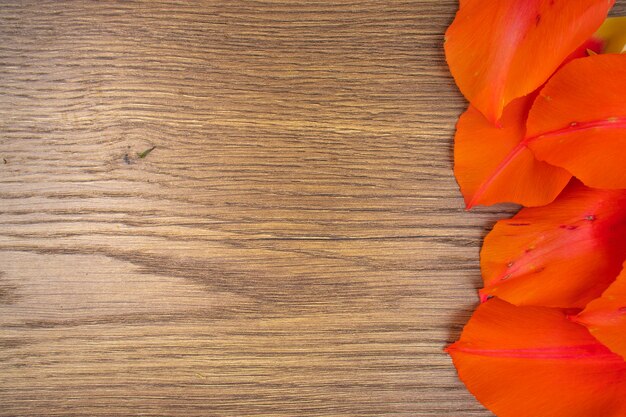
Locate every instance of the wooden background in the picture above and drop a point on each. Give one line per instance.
(295, 245)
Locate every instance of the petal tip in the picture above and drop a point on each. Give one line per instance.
(484, 297)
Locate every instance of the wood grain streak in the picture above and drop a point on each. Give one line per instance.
(294, 244)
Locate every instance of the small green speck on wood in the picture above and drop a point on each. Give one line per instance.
(146, 152)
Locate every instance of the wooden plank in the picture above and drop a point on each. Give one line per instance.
(294, 244)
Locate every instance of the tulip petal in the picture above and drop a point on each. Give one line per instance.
(561, 255)
(532, 361)
(578, 121)
(605, 317)
(492, 165)
(500, 50)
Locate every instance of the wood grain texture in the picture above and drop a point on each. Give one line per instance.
(295, 245)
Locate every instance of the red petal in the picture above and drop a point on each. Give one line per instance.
(492, 165)
(500, 50)
(533, 362)
(561, 255)
(578, 122)
(605, 317)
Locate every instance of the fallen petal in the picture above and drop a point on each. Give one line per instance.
(561, 255)
(500, 50)
(605, 317)
(533, 361)
(493, 165)
(578, 121)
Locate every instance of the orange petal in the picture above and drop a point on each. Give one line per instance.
(532, 361)
(578, 121)
(605, 317)
(492, 165)
(561, 255)
(500, 50)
